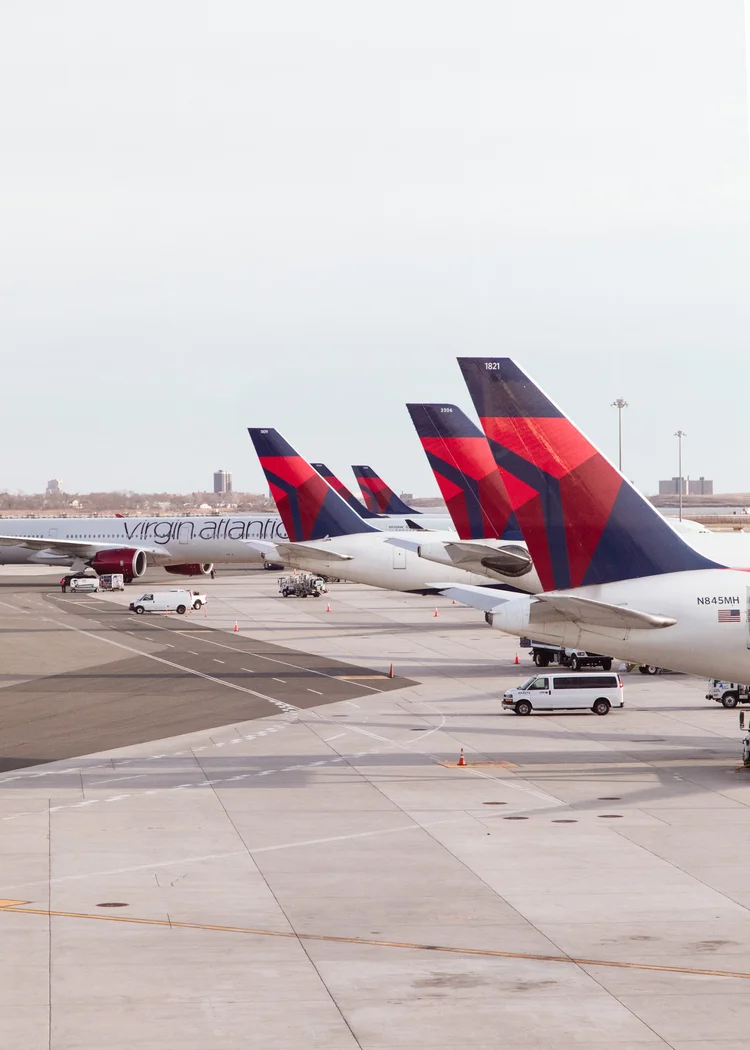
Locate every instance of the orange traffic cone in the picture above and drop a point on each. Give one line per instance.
(235, 626)
(516, 661)
(328, 607)
(454, 601)
(436, 612)
(390, 671)
(461, 759)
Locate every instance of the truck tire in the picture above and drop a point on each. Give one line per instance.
(730, 699)
(601, 706)
(606, 665)
(541, 659)
(198, 604)
(575, 663)
(650, 669)
(523, 707)
(140, 610)
(181, 610)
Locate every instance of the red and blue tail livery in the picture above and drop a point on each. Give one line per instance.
(584, 523)
(343, 491)
(379, 497)
(466, 473)
(309, 507)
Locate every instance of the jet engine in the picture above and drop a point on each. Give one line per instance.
(130, 562)
(194, 569)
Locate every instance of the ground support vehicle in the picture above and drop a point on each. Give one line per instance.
(84, 583)
(112, 581)
(566, 692)
(728, 694)
(544, 654)
(302, 585)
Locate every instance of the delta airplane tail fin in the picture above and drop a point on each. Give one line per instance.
(584, 523)
(466, 473)
(309, 507)
(380, 499)
(343, 491)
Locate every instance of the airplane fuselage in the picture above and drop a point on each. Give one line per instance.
(374, 561)
(178, 540)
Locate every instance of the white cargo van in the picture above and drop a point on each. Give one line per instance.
(176, 600)
(566, 692)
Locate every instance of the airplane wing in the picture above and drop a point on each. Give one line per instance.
(509, 560)
(314, 553)
(548, 607)
(484, 598)
(285, 551)
(77, 548)
(551, 608)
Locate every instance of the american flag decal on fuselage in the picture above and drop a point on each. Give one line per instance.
(729, 616)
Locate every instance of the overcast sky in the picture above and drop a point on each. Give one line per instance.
(298, 214)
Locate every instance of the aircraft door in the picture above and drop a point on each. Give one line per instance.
(53, 534)
(399, 558)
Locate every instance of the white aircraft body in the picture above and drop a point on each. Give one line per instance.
(373, 559)
(182, 545)
(696, 622)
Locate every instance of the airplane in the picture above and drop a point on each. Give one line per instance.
(183, 546)
(379, 496)
(489, 538)
(389, 522)
(616, 577)
(326, 535)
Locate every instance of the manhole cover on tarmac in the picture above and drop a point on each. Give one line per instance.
(602, 816)
(515, 818)
(113, 904)
(609, 798)
(494, 803)
(564, 821)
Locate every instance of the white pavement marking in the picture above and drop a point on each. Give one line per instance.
(315, 691)
(271, 659)
(244, 669)
(13, 607)
(169, 663)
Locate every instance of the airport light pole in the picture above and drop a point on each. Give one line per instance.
(680, 434)
(619, 403)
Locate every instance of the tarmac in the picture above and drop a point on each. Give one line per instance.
(214, 840)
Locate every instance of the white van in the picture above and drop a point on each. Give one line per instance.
(564, 692)
(176, 600)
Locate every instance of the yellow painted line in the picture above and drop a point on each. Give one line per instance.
(408, 945)
(8, 904)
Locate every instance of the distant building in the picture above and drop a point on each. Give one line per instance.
(222, 482)
(694, 487)
(407, 497)
(54, 487)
